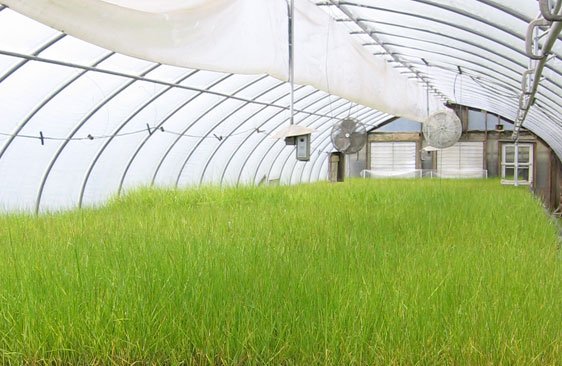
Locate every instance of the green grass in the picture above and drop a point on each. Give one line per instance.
(366, 272)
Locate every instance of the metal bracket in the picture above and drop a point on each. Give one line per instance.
(530, 40)
(524, 102)
(549, 13)
(527, 82)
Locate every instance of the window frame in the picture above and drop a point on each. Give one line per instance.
(516, 164)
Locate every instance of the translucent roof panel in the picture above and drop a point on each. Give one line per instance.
(80, 123)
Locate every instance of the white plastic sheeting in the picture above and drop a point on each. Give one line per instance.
(111, 122)
(238, 36)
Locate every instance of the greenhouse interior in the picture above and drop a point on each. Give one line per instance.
(280, 182)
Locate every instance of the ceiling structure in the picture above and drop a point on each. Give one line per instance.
(471, 51)
(80, 123)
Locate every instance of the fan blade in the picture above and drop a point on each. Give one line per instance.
(336, 132)
(360, 128)
(341, 142)
(348, 125)
(357, 141)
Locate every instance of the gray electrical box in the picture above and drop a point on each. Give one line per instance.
(303, 147)
(298, 136)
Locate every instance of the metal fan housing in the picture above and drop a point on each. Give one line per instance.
(349, 135)
(442, 129)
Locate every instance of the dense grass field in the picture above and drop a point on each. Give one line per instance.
(366, 272)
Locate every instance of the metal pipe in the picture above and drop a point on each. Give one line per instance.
(531, 43)
(527, 97)
(549, 13)
(235, 130)
(142, 78)
(292, 57)
(516, 165)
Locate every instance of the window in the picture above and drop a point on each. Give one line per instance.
(393, 160)
(517, 164)
(462, 160)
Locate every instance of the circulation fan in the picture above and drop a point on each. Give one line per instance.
(349, 135)
(442, 129)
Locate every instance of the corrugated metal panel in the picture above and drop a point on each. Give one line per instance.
(393, 156)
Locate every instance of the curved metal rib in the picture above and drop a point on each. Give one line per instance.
(178, 138)
(42, 48)
(335, 112)
(207, 134)
(242, 123)
(202, 175)
(258, 143)
(121, 126)
(315, 91)
(446, 22)
(160, 124)
(76, 129)
(44, 103)
(246, 139)
(134, 77)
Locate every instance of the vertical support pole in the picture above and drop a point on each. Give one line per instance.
(485, 162)
(486, 125)
(427, 98)
(291, 57)
(516, 165)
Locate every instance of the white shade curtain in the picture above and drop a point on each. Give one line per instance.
(238, 36)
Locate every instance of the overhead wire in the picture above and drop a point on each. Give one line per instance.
(149, 129)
